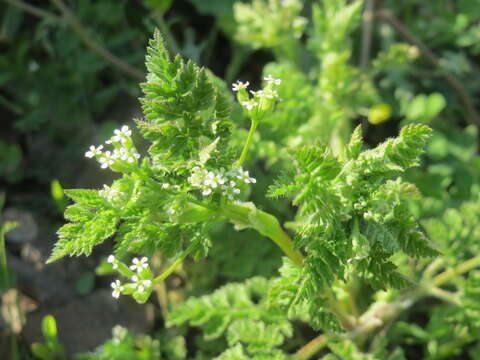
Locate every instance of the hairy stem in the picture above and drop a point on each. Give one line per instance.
(174, 265)
(312, 347)
(35, 11)
(367, 31)
(248, 143)
(460, 269)
(84, 35)
(381, 312)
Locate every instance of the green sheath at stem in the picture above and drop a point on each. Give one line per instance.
(246, 215)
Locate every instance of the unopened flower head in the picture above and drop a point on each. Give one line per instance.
(117, 288)
(230, 190)
(198, 176)
(239, 85)
(92, 151)
(111, 194)
(271, 80)
(139, 265)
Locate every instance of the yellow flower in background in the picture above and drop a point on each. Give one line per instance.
(379, 113)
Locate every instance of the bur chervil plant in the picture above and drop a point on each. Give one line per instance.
(353, 223)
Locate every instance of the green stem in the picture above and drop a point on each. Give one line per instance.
(462, 268)
(244, 154)
(246, 215)
(84, 35)
(444, 295)
(381, 312)
(174, 265)
(312, 347)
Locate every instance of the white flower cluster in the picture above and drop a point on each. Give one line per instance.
(121, 135)
(124, 149)
(139, 282)
(225, 181)
(111, 194)
(268, 93)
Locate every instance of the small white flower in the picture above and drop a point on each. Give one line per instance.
(165, 186)
(107, 160)
(245, 177)
(239, 85)
(271, 80)
(250, 104)
(139, 265)
(117, 288)
(111, 259)
(206, 191)
(213, 180)
(94, 151)
(122, 134)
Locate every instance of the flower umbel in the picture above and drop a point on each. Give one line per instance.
(140, 284)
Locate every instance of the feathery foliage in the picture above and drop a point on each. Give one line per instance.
(353, 217)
